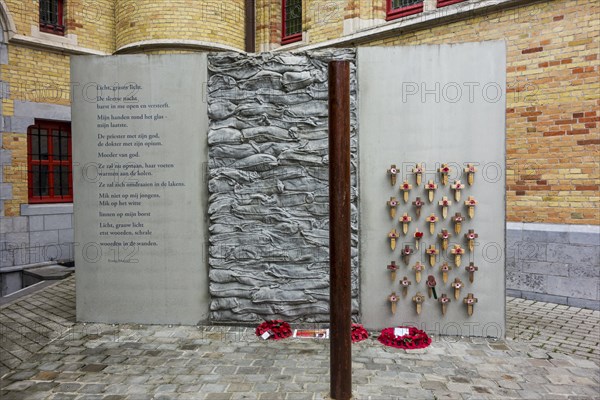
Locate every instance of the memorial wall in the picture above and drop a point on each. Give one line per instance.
(139, 152)
(269, 195)
(201, 187)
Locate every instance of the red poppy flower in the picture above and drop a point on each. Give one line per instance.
(279, 329)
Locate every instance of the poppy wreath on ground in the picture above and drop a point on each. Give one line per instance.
(278, 328)
(415, 339)
(359, 333)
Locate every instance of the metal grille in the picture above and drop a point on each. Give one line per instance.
(396, 4)
(49, 12)
(293, 17)
(49, 156)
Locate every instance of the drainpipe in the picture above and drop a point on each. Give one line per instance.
(250, 17)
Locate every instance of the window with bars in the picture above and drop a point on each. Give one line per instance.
(51, 16)
(402, 8)
(49, 162)
(292, 21)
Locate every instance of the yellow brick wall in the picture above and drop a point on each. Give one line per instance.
(16, 173)
(552, 101)
(35, 76)
(553, 139)
(93, 21)
(214, 21)
(25, 13)
(324, 19)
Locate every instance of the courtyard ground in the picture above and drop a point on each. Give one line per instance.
(550, 352)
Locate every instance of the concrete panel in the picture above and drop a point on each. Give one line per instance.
(5, 157)
(545, 268)
(65, 236)
(36, 223)
(20, 224)
(584, 303)
(17, 239)
(584, 238)
(582, 288)
(548, 298)
(527, 282)
(425, 104)
(6, 191)
(573, 254)
(43, 238)
(60, 221)
(6, 225)
(6, 258)
(584, 270)
(155, 273)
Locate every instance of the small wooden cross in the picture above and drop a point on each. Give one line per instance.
(457, 285)
(405, 220)
(470, 171)
(418, 267)
(431, 187)
(471, 236)
(444, 300)
(432, 252)
(393, 299)
(418, 171)
(470, 301)
(406, 252)
(431, 286)
(444, 237)
(405, 283)
(418, 299)
(392, 203)
(444, 203)
(393, 171)
(471, 203)
(458, 186)
(458, 219)
(392, 267)
(432, 219)
(393, 235)
(471, 268)
(458, 252)
(405, 189)
(444, 268)
(418, 203)
(444, 171)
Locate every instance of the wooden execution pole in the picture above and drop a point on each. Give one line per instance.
(339, 231)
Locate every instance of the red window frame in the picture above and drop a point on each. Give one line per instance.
(393, 13)
(57, 28)
(50, 162)
(444, 3)
(286, 39)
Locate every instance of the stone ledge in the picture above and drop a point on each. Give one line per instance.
(46, 209)
(159, 44)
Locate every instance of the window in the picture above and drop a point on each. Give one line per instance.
(402, 8)
(49, 162)
(442, 3)
(51, 16)
(291, 11)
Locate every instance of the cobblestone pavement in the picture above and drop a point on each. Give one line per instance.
(129, 362)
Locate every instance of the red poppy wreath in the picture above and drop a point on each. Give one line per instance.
(415, 339)
(277, 328)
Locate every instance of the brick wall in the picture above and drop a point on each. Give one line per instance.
(552, 105)
(212, 21)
